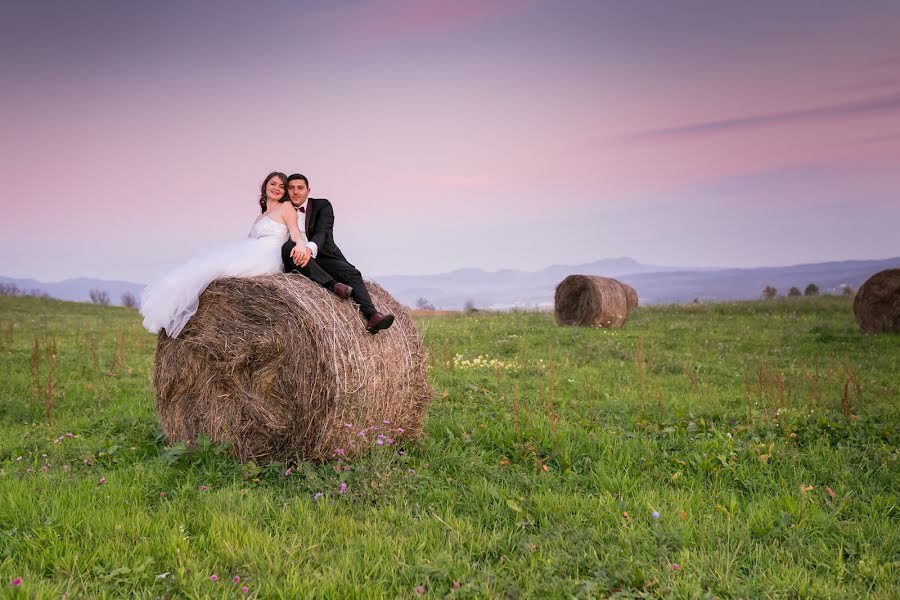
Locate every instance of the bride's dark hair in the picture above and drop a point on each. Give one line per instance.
(262, 190)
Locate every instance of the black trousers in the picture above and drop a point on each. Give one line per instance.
(325, 270)
(311, 270)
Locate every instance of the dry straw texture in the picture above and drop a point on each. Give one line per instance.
(877, 303)
(282, 368)
(631, 296)
(591, 301)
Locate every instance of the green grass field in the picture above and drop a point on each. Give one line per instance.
(735, 450)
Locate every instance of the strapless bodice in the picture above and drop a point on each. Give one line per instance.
(266, 228)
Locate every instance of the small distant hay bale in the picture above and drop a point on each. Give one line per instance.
(631, 296)
(285, 371)
(590, 301)
(877, 303)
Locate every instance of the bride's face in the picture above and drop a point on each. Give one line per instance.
(275, 189)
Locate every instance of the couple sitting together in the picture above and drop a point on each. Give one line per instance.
(296, 236)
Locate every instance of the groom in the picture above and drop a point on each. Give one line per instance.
(315, 218)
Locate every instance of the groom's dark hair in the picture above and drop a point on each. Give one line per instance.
(296, 176)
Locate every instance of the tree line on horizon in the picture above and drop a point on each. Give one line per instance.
(770, 293)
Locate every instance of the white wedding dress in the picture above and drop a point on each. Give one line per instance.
(172, 298)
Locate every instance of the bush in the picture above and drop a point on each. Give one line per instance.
(769, 292)
(99, 297)
(424, 304)
(469, 306)
(129, 300)
(9, 289)
(794, 292)
(811, 290)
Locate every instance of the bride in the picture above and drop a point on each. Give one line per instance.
(172, 298)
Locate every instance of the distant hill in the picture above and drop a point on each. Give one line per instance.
(77, 290)
(741, 284)
(654, 284)
(505, 288)
(510, 288)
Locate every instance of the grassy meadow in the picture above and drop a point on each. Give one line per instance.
(742, 450)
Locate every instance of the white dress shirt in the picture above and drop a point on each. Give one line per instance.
(301, 225)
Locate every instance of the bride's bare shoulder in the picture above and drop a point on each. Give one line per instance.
(286, 209)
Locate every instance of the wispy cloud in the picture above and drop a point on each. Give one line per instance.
(879, 139)
(415, 17)
(870, 85)
(876, 105)
(885, 61)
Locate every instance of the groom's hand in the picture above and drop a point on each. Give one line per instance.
(300, 255)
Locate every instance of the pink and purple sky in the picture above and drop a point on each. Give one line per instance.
(452, 133)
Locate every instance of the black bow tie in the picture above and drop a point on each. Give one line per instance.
(301, 209)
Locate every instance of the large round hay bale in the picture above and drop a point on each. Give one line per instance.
(631, 296)
(286, 371)
(590, 301)
(877, 303)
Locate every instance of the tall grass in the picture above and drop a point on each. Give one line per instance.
(736, 450)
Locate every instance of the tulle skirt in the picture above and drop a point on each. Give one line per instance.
(172, 298)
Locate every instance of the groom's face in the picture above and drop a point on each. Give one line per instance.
(298, 191)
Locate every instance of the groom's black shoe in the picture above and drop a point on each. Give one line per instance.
(378, 321)
(342, 290)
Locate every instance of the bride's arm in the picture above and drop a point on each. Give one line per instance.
(289, 217)
(301, 253)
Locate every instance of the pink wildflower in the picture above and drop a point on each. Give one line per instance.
(236, 579)
(380, 441)
(348, 425)
(316, 496)
(676, 567)
(342, 488)
(455, 584)
(245, 590)
(69, 435)
(339, 451)
(399, 430)
(102, 481)
(287, 472)
(214, 578)
(359, 433)
(386, 422)
(17, 582)
(388, 441)
(420, 590)
(162, 494)
(204, 488)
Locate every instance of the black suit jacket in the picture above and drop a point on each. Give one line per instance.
(320, 226)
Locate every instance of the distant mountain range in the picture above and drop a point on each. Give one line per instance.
(511, 288)
(654, 284)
